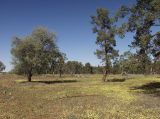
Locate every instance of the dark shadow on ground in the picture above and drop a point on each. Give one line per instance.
(52, 82)
(117, 80)
(149, 88)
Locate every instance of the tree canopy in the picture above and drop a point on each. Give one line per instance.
(105, 28)
(34, 53)
(141, 18)
(2, 66)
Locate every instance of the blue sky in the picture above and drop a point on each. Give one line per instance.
(70, 19)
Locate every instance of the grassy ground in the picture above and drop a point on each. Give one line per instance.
(82, 97)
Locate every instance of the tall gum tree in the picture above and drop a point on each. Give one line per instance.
(105, 28)
(142, 16)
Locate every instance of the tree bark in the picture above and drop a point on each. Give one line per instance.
(106, 64)
(29, 76)
(60, 73)
(105, 74)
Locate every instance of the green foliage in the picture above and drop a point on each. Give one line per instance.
(74, 67)
(98, 69)
(105, 28)
(61, 63)
(141, 17)
(156, 46)
(129, 63)
(156, 67)
(34, 53)
(2, 66)
(88, 69)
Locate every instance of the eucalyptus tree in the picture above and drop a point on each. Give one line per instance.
(74, 67)
(156, 46)
(141, 18)
(105, 28)
(156, 53)
(88, 68)
(34, 53)
(61, 63)
(2, 66)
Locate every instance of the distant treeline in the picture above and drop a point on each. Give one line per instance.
(70, 67)
(127, 63)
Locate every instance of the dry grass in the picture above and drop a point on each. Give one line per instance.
(80, 97)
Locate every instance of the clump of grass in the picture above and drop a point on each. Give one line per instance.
(84, 114)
